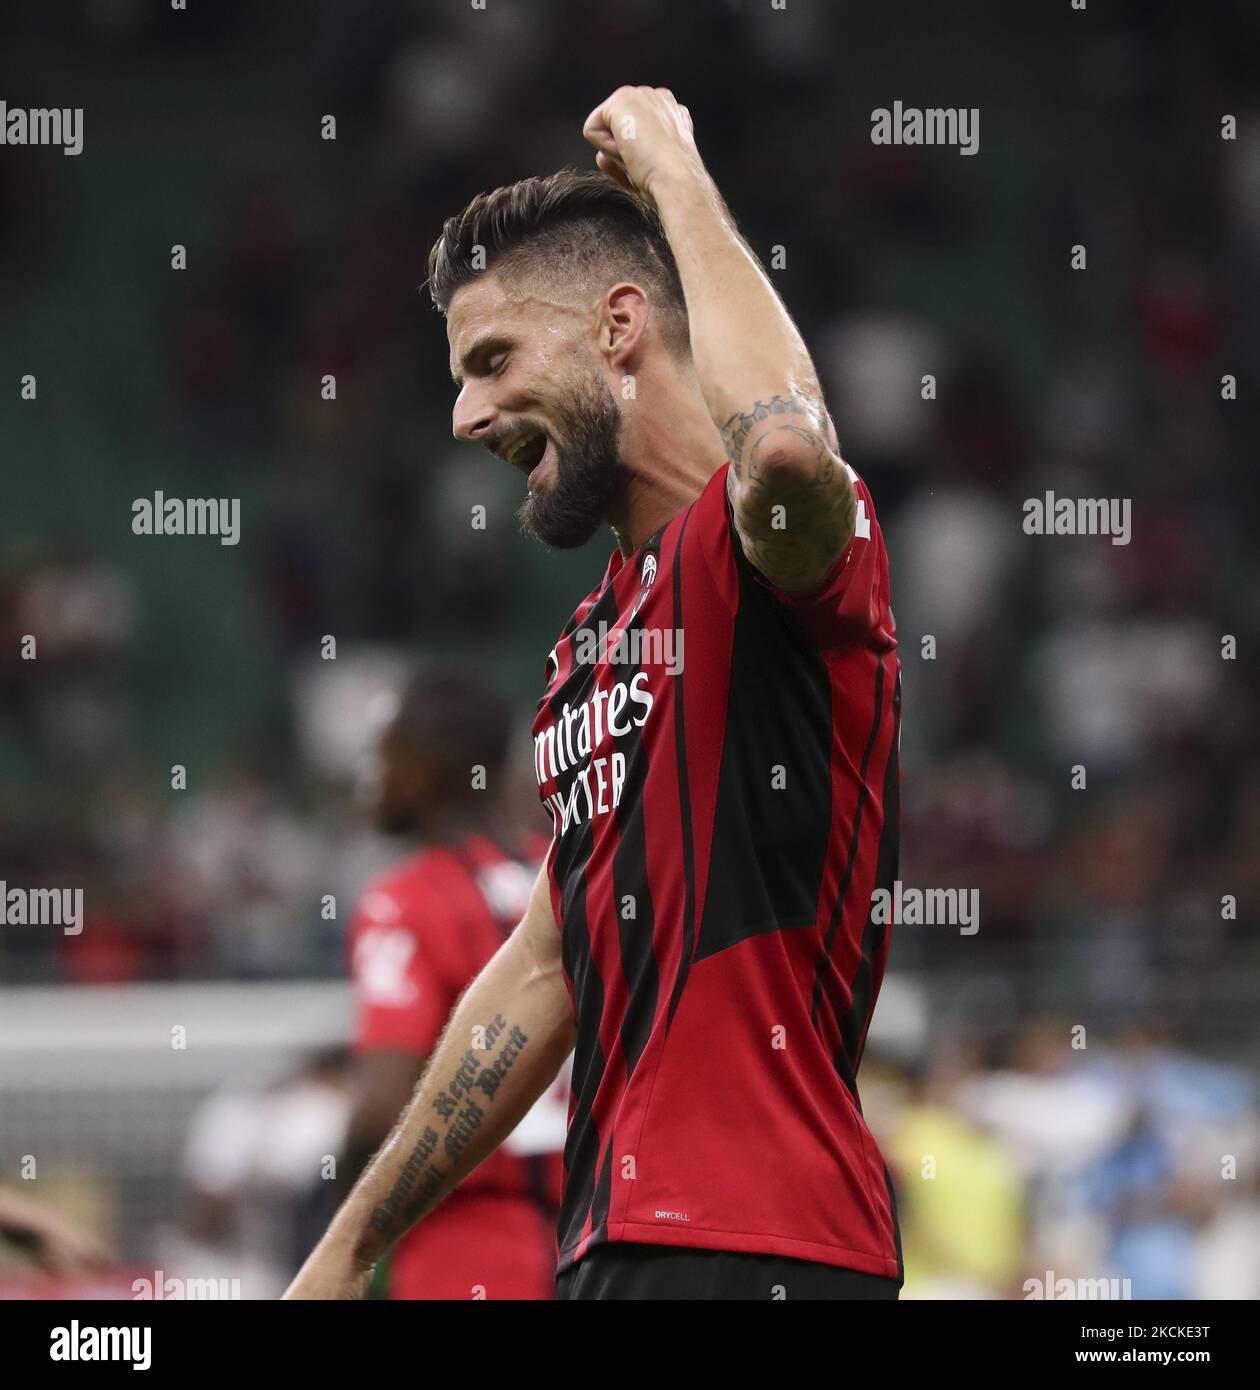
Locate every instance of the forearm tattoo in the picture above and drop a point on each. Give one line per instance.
(457, 1112)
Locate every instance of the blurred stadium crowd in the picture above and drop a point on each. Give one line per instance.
(1099, 907)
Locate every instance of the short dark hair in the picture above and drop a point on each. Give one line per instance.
(570, 226)
(458, 718)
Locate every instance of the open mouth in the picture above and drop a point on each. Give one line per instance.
(528, 452)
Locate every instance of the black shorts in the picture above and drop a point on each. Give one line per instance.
(625, 1270)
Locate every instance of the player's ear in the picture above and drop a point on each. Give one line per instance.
(623, 321)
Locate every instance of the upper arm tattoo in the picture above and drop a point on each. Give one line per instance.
(793, 524)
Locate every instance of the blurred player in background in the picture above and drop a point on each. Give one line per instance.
(420, 934)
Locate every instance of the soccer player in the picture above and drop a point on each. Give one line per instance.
(717, 742)
(420, 934)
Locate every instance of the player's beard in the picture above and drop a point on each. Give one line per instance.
(586, 477)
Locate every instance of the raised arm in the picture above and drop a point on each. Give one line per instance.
(791, 495)
(502, 1048)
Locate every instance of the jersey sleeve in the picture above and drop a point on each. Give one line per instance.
(400, 971)
(851, 601)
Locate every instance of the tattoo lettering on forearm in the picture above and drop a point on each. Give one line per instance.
(465, 1126)
(492, 1076)
(418, 1184)
(405, 1194)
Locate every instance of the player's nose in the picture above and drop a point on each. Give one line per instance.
(474, 414)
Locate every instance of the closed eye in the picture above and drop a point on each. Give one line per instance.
(483, 359)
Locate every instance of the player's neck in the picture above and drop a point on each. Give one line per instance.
(670, 448)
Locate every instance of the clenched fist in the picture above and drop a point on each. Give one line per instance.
(643, 136)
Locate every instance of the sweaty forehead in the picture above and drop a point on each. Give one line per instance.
(488, 308)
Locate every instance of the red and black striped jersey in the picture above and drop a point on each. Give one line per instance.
(720, 760)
